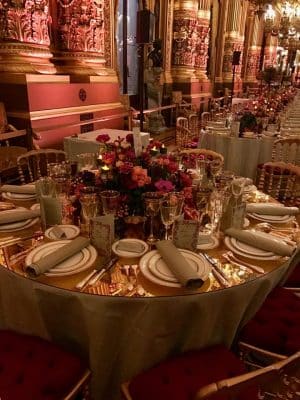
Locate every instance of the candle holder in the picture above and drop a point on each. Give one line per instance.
(163, 149)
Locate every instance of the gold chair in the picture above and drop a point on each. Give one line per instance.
(287, 150)
(186, 380)
(281, 181)
(205, 117)
(193, 122)
(205, 153)
(35, 163)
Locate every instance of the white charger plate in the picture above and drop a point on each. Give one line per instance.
(19, 225)
(146, 259)
(71, 232)
(77, 263)
(18, 196)
(275, 219)
(231, 247)
(214, 242)
(129, 254)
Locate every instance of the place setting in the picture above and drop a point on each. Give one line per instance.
(18, 192)
(274, 213)
(17, 219)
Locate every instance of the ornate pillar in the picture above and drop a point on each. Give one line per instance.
(220, 43)
(166, 33)
(254, 51)
(270, 53)
(83, 36)
(232, 40)
(203, 28)
(24, 36)
(185, 37)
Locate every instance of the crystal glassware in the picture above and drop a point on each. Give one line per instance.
(168, 214)
(152, 202)
(201, 199)
(89, 207)
(110, 201)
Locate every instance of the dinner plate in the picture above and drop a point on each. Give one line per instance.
(212, 244)
(77, 263)
(19, 225)
(161, 270)
(246, 248)
(231, 247)
(18, 196)
(71, 232)
(160, 277)
(276, 219)
(129, 254)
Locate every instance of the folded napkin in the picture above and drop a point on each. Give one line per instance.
(131, 247)
(178, 265)
(58, 232)
(23, 189)
(261, 241)
(58, 256)
(10, 216)
(271, 209)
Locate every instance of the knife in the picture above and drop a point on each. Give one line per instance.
(219, 275)
(96, 274)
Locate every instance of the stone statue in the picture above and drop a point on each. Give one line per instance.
(155, 55)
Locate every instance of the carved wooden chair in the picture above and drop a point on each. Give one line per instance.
(35, 163)
(287, 150)
(214, 373)
(205, 117)
(193, 122)
(281, 181)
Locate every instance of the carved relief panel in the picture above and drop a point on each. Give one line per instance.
(185, 40)
(25, 21)
(81, 25)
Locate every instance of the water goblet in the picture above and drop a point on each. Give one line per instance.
(168, 215)
(110, 201)
(215, 168)
(177, 198)
(201, 199)
(89, 207)
(152, 206)
(237, 187)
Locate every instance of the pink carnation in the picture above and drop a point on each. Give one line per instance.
(164, 186)
(103, 138)
(140, 176)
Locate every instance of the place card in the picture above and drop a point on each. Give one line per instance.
(185, 234)
(137, 141)
(103, 234)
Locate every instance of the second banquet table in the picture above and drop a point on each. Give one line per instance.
(87, 143)
(241, 155)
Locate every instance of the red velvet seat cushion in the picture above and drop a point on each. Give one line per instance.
(34, 369)
(179, 378)
(294, 279)
(276, 326)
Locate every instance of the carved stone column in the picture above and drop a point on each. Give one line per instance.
(24, 36)
(185, 38)
(220, 43)
(232, 40)
(203, 28)
(270, 50)
(83, 36)
(254, 52)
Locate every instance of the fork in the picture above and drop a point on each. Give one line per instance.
(232, 258)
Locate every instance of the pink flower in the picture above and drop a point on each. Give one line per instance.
(164, 186)
(109, 157)
(103, 138)
(126, 167)
(185, 179)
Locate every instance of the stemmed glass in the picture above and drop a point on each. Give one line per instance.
(215, 168)
(168, 214)
(177, 198)
(152, 206)
(237, 188)
(201, 200)
(110, 201)
(89, 207)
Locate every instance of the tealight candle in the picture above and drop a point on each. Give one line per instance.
(104, 172)
(153, 151)
(163, 149)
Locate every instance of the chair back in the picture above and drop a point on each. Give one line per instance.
(279, 380)
(205, 153)
(205, 117)
(281, 181)
(287, 150)
(183, 137)
(182, 122)
(35, 163)
(193, 122)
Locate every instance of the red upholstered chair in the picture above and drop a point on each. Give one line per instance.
(213, 373)
(32, 368)
(276, 326)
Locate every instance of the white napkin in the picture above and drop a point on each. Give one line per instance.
(271, 209)
(261, 240)
(58, 256)
(10, 216)
(177, 264)
(23, 189)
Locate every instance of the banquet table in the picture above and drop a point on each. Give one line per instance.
(87, 143)
(121, 336)
(241, 155)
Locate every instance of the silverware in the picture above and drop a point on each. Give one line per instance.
(219, 275)
(10, 242)
(233, 258)
(96, 274)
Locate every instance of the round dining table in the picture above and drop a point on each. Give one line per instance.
(120, 336)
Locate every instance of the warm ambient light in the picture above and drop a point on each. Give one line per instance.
(105, 168)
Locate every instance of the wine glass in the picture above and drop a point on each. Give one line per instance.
(168, 214)
(237, 187)
(177, 198)
(215, 168)
(152, 206)
(89, 207)
(201, 200)
(110, 201)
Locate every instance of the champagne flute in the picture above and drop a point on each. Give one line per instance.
(152, 206)
(89, 207)
(168, 215)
